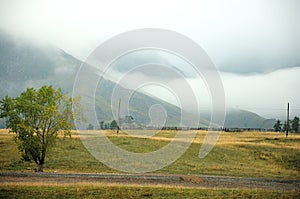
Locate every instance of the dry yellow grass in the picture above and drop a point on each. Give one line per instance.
(87, 184)
(248, 154)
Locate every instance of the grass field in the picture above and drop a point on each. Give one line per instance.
(244, 154)
(123, 191)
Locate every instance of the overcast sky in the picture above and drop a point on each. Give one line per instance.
(254, 43)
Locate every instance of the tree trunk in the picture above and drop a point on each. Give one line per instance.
(40, 167)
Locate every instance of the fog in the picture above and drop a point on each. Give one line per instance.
(255, 44)
(266, 94)
(240, 36)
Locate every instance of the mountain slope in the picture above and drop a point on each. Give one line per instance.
(26, 65)
(236, 118)
(23, 65)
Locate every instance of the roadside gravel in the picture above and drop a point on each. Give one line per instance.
(194, 181)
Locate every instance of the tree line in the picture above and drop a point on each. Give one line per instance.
(292, 125)
(104, 125)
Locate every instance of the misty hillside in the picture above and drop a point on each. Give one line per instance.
(23, 65)
(26, 65)
(237, 118)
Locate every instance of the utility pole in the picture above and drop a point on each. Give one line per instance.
(287, 120)
(118, 123)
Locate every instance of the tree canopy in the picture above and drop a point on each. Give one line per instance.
(36, 117)
(295, 125)
(277, 126)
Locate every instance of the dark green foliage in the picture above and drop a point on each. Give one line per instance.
(285, 126)
(90, 127)
(35, 117)
(108, 125)
(101, 124)
(277, 126)
(113, 125)
(295, 125)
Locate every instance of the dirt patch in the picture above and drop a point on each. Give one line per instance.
(193, 181)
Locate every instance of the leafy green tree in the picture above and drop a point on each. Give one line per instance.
(101, 124)
(90, 127)
(113, 125)
(36, 117)
(295, 125)
(277, 126)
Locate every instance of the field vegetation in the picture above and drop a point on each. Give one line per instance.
(243, 154)
(124, 191)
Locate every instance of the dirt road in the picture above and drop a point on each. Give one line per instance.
(195, 181)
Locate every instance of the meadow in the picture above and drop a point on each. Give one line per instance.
(124, 191)
(241, 154)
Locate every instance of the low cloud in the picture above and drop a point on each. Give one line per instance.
(265, 94)
(241, 37)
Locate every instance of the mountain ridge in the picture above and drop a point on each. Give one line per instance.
(24, 65)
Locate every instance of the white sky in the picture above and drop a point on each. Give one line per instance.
(246, 39)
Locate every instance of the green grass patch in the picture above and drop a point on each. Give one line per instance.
(135, 192)
(245, 154)
(138, 145)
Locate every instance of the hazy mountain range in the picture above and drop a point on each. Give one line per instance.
(23, 65)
